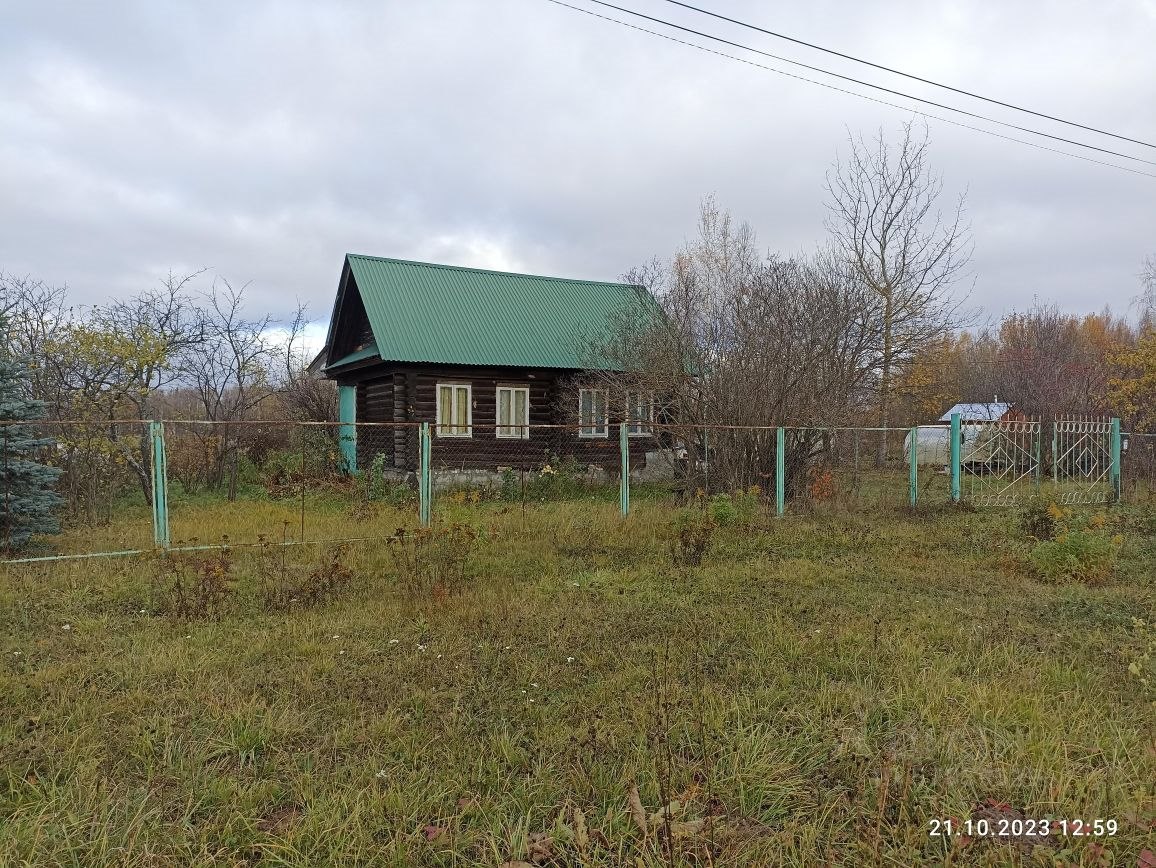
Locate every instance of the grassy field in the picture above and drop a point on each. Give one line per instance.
(816, 692)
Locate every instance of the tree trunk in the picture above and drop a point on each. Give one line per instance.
(885, 380)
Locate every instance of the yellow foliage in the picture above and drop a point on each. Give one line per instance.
(1132, 387)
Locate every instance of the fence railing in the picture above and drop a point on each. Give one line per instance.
(129, 487)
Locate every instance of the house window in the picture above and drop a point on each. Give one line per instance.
(639, 413)
(455, 413)
(513, 412)
(592, 412)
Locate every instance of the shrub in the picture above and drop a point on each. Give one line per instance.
(1042, 520)
(693, 536)
(820, 484)
(193, 586)
(433, 561)
(723, 510)
(284, 587)
(1077, 555)
(377, 489)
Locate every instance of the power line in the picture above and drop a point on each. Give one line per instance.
(823, 84)
(913, 77)
(858, 81)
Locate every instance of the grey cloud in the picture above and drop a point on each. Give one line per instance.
(265, 140)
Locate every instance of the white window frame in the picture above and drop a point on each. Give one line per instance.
(520, 430)
(645, 426)
(595, 431)
(446, 430)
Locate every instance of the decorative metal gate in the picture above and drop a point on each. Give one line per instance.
(1082, 460)
(1000, 462)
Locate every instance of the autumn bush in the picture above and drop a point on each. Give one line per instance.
(1080, 548)
(287, 586)
(694, 532)
(433, 562)
(189, 586)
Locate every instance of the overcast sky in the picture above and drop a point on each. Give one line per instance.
(264, 140)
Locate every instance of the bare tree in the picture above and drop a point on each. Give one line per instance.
(37, 315)
(229, 370)
(302, 396)
(1052, 363)
(745, 341)
(883, 217)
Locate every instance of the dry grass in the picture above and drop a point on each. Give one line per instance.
(816, 692)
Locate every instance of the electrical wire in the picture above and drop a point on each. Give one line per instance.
(863, 83)
(823, 84)
(912, 76)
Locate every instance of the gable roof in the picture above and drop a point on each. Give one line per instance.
(978, 412)
(423, 312)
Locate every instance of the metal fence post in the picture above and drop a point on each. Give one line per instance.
(913, 469)
(955, 444)
(160, 486)
(1055, 452)
(1117, 456)
(424, 486)
(1039, 455)
(780, 471)
(624, 484)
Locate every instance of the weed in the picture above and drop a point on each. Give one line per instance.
(1071, 547)
(1077, 555)
(433, 562)
(693, 535)
(1141, 656)
(189, 586)
(375, 488)
(287, 587)
(558, 479)
(1040, 519)
(722, 510)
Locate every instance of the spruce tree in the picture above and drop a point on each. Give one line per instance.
(28, 501)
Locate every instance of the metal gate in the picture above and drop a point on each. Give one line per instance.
(1083, 468)
(1000, 462)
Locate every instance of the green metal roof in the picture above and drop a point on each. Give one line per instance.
(421, 312)
(367, 352)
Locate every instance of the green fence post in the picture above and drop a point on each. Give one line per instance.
(913, 469)
(1117, 455)
(955, 444)
(425, 486)
(347, 432)
(624, 484)
(160, 480)
(780, 471)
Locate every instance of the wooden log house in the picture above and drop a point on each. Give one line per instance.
(484, 357)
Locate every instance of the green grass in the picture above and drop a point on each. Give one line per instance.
(821, 687)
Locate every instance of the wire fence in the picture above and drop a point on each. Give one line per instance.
(136, 486)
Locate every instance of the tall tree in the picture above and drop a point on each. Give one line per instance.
(1148, 296)
(883, 217)
(744, 340)
(28, 502)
